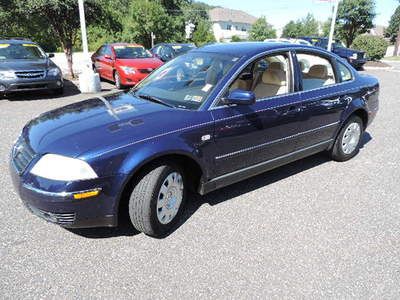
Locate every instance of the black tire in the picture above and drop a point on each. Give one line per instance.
(337, 152)
(144, 197)
(117, 80)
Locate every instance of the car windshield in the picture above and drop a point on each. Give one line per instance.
(180, 49)
(20, 51)
(186, 81)
(129, 52)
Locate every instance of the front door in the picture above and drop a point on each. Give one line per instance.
(248, 135)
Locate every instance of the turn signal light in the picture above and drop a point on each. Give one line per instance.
(87, 194)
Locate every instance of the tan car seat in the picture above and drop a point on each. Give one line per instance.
(273, 83)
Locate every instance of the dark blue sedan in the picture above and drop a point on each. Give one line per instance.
(205, 120)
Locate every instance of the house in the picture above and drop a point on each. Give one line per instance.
(377, 31)
(230, 22)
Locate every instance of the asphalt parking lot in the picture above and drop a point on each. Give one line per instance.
(314, 228)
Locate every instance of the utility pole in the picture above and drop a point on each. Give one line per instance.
(333, 23)
(89, 82)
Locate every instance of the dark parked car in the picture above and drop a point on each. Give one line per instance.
(208, 119)
(166, 52)
(355, 57)
(24, 66)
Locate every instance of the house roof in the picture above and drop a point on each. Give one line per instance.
(219, 14)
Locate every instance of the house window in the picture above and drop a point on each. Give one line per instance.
(244, 29)
(229, 27)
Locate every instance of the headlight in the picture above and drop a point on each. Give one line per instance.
(53, 72)
(7, 75)
(354, 56)
(58, 167)
(128, 70)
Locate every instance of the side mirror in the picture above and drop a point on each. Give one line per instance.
(50, 55)
(240, 97)
(106, 56)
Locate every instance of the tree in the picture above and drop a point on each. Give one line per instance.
(291, 30)
(62, 17)
(374, 46)
(394, 26)
(326, 27)
(354, 18)
(261, 30)
(307, 26)
(203, 34)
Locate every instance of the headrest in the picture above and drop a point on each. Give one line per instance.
(276, 65)
(318, 71)
(274, 77)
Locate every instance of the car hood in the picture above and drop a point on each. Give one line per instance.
(101, 124)
(25, 64)
(140, 62)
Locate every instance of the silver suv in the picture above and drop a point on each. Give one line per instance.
(24, 66)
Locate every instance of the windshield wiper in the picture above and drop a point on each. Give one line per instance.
(155, 99)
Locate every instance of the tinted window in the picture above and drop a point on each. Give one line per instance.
(316, 71)
(21, 51)
(345, 73)
(166, 52)
(130, 52)
(107, 51)
(266, 77)
(187, 80)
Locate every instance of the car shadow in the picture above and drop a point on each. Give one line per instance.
(125, 228)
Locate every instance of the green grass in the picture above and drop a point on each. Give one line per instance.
(394, 58)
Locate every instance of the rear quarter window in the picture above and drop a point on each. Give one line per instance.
(345, 72)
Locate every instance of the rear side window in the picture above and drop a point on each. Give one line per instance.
(316, 71)
(345, 73)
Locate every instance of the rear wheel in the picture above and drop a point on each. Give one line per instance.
(157, 200)
(348, 141)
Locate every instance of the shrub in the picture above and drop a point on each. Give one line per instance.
(235, 38)
(374, 46)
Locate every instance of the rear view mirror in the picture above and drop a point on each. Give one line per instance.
(240, 97)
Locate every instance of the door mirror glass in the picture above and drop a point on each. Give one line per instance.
(50, 55)
(240, 97)
(107, 56)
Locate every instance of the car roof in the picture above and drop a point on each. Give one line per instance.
(16, 41)
(124, 44)
(174, 44)
(249, 48)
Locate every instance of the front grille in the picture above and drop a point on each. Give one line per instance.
(30, 74)
(62, 219)
(146, 71)
(22, 155)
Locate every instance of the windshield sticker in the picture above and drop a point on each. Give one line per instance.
(197, 98)
(207, 87)
(188, 98)
(29, 45)
(4, 45)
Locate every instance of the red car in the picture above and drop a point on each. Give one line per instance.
(125, 64)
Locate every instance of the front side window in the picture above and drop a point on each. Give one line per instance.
(20, 51)
(316, 71)
(345, 73)
(188, 80)
(266, 77)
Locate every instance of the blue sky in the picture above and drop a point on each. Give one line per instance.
(279, 12)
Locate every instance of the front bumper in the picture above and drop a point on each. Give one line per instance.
(131, 80)
(17, 85)
(357, 63)
(54, 201)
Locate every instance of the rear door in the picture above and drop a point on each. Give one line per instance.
(250, 134)
(323, 97)
(108, 62)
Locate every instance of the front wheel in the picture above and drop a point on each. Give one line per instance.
(157, 200)
(348, 141)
